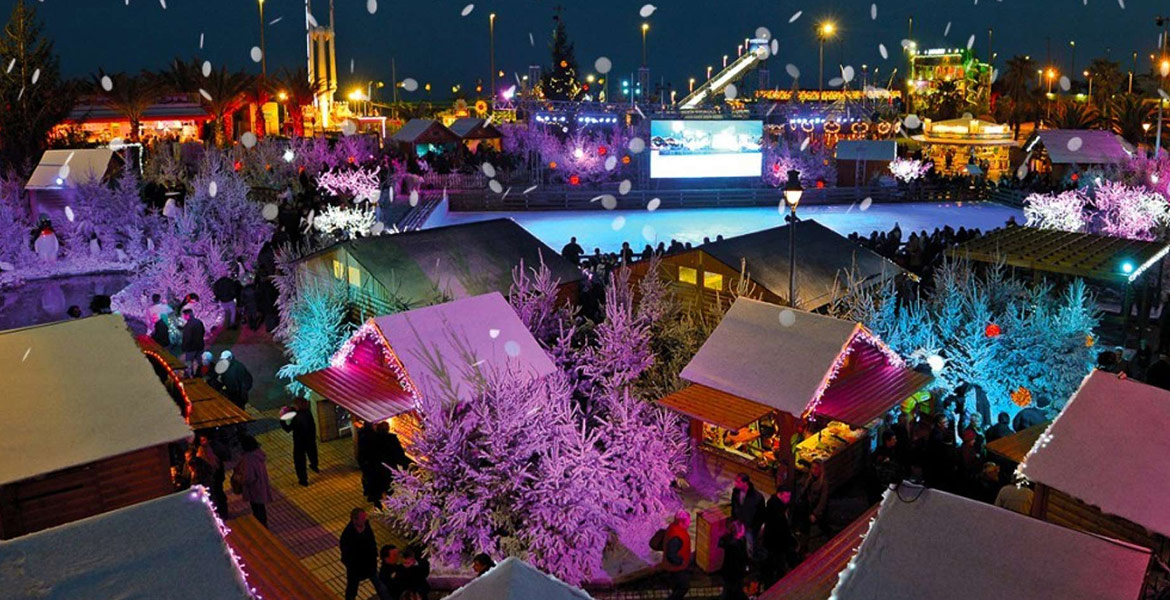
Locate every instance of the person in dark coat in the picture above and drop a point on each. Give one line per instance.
(572, 251)
(779, 543)
(735, 562)
(1002, 427)
(227, 291)
(304, 432)
(359, 554)
(416, 570)
(378, 450)
(193, 339)
(391, 571)
(161, 332)
(235, 379)
(249, 305)
(747, 507)
(251, 478)
(1158, 375)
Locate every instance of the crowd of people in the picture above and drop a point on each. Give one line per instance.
(921, 252)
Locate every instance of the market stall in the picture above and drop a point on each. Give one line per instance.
(815, 576)
(381, 371)
(1101, 466)
(927, 544)
(774, 390)
(87, 427)
(170, 547)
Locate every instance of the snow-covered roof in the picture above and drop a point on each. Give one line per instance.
(876, 150)
(926, 544)
(480, 333)
(420, 265)
(424, 131)
(75, 392)
(1108, 448)
(826, 261)
(754, 356)
(84, 164)
(473, 128)
(1081, 146)
(514, 579)
(169, 547)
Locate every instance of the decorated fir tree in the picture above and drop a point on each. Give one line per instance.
(560, 83)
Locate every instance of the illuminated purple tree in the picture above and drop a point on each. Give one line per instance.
(360, 185)
(907, 170)
(1064, 211)
(1129, 212)
(814, 164)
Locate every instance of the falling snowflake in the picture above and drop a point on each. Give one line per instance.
(107, 83)
(618, 223)
(873, 12)
(653, 204)
(730, 91)
(256, 54)
(248, 139)
(795, 16)
(409, 84)
(467, 10)
(212, 189)
(882, 51)
(647, 10)
(371, 6)
(787, 318)
(488, 170)
(763, 33)
(1074, 144)
(624, 187)
(603, 65)
(636, 145)
(792, 71)
(512, 348)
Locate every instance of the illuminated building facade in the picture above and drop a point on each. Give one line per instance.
(949, 71)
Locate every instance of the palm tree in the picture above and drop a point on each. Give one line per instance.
(1016, 88)
(1107, 81)
(298, 93)
(1130, 112)
(130, 96)
(221, 93)
(1076, 115)
(258, 93)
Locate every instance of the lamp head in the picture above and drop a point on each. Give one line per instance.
(793, 190)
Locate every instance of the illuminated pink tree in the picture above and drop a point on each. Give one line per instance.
(1064, 211)
(361, 184)
(1129, 212)
(814, 164)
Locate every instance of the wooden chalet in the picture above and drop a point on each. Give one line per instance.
(380, 372)
(1063, 152)
(826, 263)
(514, 579)
(768, 394)
(422, 136)
(1101, 466)
(87, 426)
(389, 273)
(474, 133)
(170, 547)
(927, 544)
(1013, 448)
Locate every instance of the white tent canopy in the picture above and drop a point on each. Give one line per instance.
(514, 579)
(481, 333)
(169, 547)
(753, 355)
(926, 544)
(84, 164)
(1109, 448)
(75, 392)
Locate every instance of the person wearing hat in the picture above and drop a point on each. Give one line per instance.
(234, 377)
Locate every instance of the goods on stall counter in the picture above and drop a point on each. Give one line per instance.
(827, 442)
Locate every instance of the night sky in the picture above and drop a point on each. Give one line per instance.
(433, 43)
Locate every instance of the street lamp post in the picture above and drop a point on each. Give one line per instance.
(1163, 70)
(824, 31)
(263, 51)
(792, 193)
(645, 28)
(1072, 67)
(691, 89)
(708, 73)
(1051, 76)
(1089, 75)
(492, 51)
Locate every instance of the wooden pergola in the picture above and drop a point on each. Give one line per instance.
(1112, 261)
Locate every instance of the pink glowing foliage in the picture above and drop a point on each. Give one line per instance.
(1129, 212)
(593, 155)
(1064, 211)
(359, 185)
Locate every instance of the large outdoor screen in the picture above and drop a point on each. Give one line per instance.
(689, 149)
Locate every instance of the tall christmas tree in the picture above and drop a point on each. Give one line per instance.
(560, 82)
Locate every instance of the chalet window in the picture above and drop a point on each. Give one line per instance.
(338, 272)
(688, 275)
(355, 277)
(712, 281)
